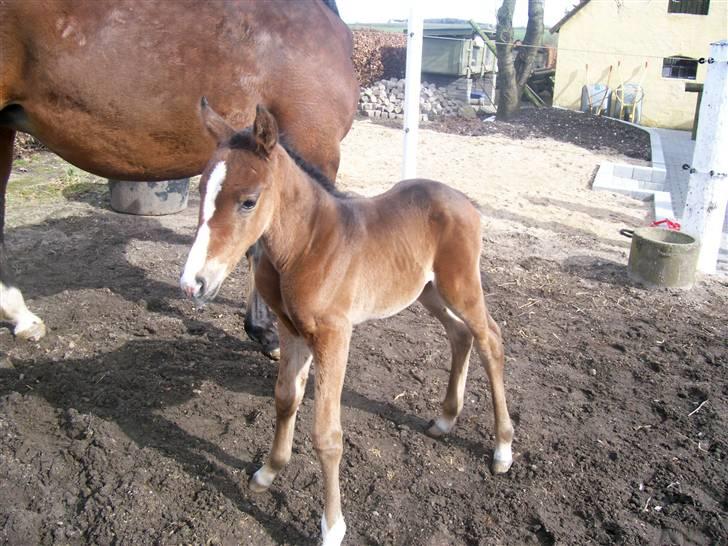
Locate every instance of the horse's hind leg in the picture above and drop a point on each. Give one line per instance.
(26, 325)
(461, 342)
(290, 387)
(259, 321)
(463, 294)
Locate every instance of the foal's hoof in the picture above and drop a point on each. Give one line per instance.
(439, 427)
(502, 459)
(500, 467)
(31, 332)
(261, 480)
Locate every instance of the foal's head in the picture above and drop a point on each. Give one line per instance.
(237, 200)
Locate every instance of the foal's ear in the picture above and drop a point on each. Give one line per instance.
(265, 131)
(215, 124)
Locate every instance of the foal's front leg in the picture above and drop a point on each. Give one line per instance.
(290, 387)
(331, 351)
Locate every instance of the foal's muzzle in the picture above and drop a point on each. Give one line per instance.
(200, 290)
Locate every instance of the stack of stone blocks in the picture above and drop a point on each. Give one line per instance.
(385, 100)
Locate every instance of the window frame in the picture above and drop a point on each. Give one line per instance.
(673, 63)
(688, 7)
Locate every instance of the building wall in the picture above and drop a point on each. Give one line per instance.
(633, 32)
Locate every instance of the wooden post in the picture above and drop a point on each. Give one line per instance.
(708, 189)
(412, 79)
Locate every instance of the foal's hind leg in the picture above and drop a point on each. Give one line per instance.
(26, 325)
(461, 341)
(290, 387)
(463, 294)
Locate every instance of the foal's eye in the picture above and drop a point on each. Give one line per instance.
(248, 204)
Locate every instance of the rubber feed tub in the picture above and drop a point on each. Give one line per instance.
(149, 198)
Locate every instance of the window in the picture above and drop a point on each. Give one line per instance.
(679, 67)
(695, 7)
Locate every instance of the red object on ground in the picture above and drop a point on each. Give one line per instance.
(669, 224)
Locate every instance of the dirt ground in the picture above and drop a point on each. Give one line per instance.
(590, 132)
(139, 417)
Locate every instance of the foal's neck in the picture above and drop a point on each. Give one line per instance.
(303, 208)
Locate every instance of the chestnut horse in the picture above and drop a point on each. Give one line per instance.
(331, 262)
(113, 86)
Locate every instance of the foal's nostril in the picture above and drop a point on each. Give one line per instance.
(203, 284)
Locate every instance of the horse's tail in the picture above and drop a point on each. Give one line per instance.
(331, 4)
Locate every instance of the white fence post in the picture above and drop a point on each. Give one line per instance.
(708, 189)
(412, 91)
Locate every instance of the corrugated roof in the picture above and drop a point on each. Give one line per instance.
(569, 15)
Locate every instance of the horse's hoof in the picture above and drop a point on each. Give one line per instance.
(261, 480)
(500, 467)
(433, 431)
(31, 332)
(439, 428)
(273, 354)
(335, 535)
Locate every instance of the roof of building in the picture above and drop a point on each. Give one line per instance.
(569, 15)
(453, 30)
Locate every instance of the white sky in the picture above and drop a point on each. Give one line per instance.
(483, 11)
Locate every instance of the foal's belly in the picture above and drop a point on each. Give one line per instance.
(382, 298)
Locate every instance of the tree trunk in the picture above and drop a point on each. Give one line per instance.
(514, 73)
(508, 97)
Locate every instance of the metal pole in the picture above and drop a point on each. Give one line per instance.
(412, 91)
(708, 189)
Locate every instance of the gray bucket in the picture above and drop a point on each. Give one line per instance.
(663, 258)
(149, 198)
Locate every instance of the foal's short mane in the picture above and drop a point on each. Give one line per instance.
(243, 140)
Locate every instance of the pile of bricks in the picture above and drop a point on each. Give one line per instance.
(385, 99)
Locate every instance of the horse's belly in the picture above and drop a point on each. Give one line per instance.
(382, 299)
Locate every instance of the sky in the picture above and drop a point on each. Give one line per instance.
(483, 11)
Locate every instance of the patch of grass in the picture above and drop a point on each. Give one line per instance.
(44, 177)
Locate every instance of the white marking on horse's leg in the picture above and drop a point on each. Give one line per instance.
(335, 535)
(263, 478)
(502, 458)
(26, 325)
(198, 253)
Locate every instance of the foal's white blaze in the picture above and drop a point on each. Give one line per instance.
(198, 253)
(335, 535)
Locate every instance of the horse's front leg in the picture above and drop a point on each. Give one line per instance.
(331, 351)
(26, 325)
(290, 387)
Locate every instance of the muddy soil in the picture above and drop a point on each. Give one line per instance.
(138, 418)
(584, 130)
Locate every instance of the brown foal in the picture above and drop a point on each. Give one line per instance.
(331, 262)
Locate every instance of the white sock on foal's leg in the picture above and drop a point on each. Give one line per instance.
(335, 535)
(502, 458)
(262, 479)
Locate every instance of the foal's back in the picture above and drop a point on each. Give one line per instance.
(400, 240)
